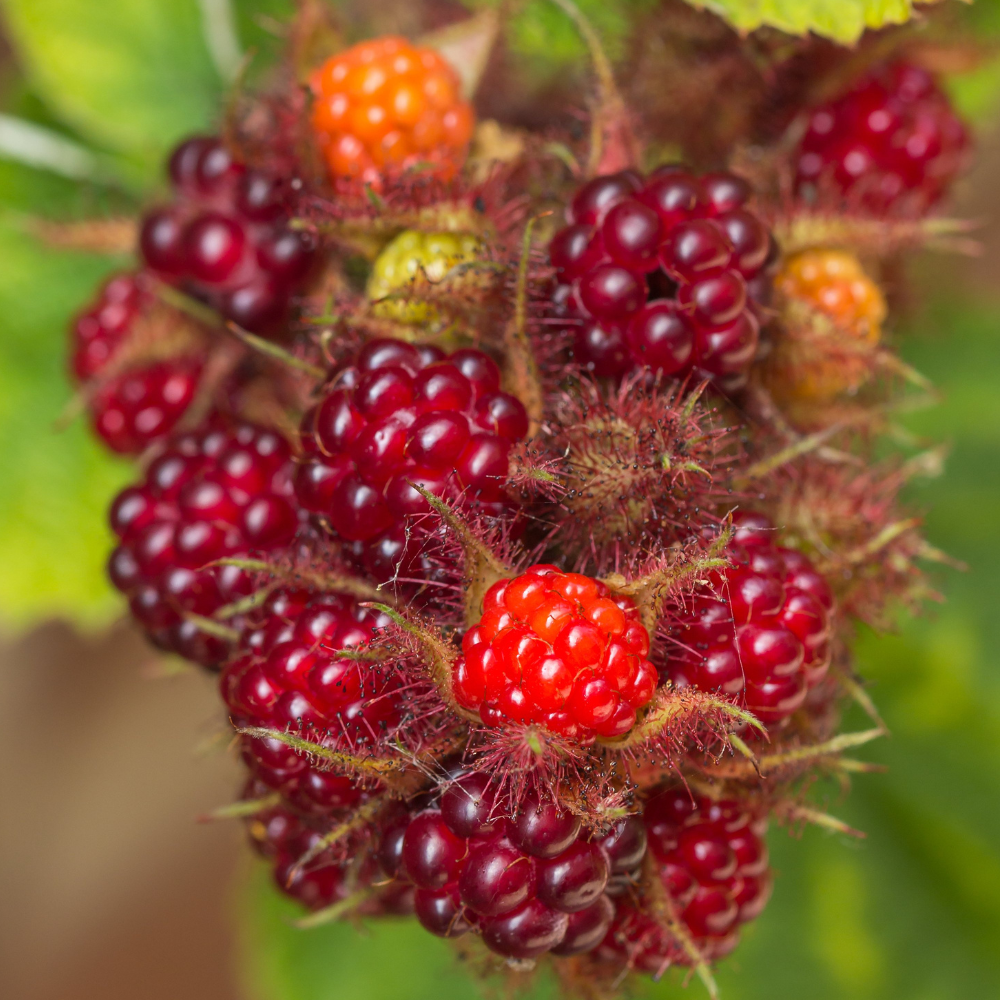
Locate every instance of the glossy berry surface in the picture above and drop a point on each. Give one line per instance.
(892, 141)
(411, 256)
(223, 491)
(663, 272)
(762, 633)
(225, 239)
(386, 105)
(133, 403)
(402, 414)
(835, 355)
(294, 671)
(711, 861)
(557, 649)
(529, 884)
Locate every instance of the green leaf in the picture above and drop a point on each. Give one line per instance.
(56, 485)
(131, 76)
(841, 20)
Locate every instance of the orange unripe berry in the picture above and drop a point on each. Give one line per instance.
(386, 103)
(833, 321)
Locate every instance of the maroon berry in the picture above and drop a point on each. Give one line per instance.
(892, 142)
(403, 414)
(220, 492)
(226, 238)
(144, 401)
(712, 863)
(653, 273)
(529, 884)
(763, 635)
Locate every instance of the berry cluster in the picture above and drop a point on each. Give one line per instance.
(134, 402)
(662, 272)
(388, 105)
(221, 493)
(226, 237)
(557, 649)
(762, 632)
(892, 139)
(711, 864)
(494, 670)
(399, 416)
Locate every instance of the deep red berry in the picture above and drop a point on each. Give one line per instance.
(892, 140)
(712, 864)
(226, 237)
(140, 401)
(221, 492)
(402, 414)
(762, 634)
(297, 669)
(530, 884)
(557, 649)
(284, 836)
(661, 273)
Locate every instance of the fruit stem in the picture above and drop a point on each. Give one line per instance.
(613, 146)
(335, 911)
(440, 655)
(794, 811)
(361, 816)
(245, 807)
(665, 913)
(482, 566)
(521, 365)
(350, 762)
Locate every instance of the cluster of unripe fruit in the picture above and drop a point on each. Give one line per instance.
(435, 720)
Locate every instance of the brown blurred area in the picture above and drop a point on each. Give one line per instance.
(111, 889)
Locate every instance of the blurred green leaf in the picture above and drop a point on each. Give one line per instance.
(129, 75)
(55, 485)
(841, 20)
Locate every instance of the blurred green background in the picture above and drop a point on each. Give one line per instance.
(91, 97)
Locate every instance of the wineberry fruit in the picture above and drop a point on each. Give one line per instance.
(663, 272)
(557, 649)
(386, 105)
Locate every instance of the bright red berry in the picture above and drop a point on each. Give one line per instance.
(220, 492)
(297, 670)
(663, 272)
(762, 634)
(892, 140)
(144, 400)
(400, 414)
(528, 885)
(712, 863)
(557, 649)
(226, 237)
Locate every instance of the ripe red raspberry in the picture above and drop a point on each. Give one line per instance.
(892, 139)
(283, 837)
(528, 885)
(143, 402)
(406, 412)
(663, 273)
(557, 649)
(762, 634)
(226, 237)
(222, 491)
(712, 863)
(386, 104)
(289, 675)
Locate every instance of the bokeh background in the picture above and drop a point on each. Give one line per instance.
(111, 888)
